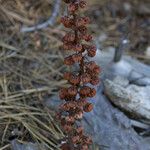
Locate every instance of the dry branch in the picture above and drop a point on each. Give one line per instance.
(49, 22)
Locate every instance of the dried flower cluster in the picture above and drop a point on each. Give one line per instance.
(75, 96)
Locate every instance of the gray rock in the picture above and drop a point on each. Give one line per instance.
(135, 71)
(143, 81)
(135, 76)
(134, 99)
(111, 128)
(122, 81)
(108, 126)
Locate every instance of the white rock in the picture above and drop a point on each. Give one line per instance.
(147, 53)
(133, 99)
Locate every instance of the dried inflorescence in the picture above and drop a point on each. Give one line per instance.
(75, 96)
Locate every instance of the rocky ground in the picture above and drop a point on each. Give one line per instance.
(120, 119)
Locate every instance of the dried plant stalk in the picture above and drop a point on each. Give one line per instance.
(75, 96)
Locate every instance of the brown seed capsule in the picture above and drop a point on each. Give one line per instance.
(67, 75)
(72, 105)
(92, 93)
(82, 102)
(87, 140)
(75, 139)
(72, 91)
(68, 105)
(79, 130)
(82, 4)
(82, 29)
(84, 147)
(73, 7)
(63, 93)
(63, 107)
(67, 128)
(69, 37)
(97, 70)
(80, 22)
(77, 57)
(88, 107)
(87, 37)
(91, 65)
(85, 78)
(65, 146)
(70, 119)
(69, 61)
(92, 51)
(74, 79)
(77, 47)
(85, 91)
(67, 22)
(86, 20)
(67, 46)
(64, 19)
(95, 80)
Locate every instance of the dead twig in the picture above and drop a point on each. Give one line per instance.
(50, 21)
